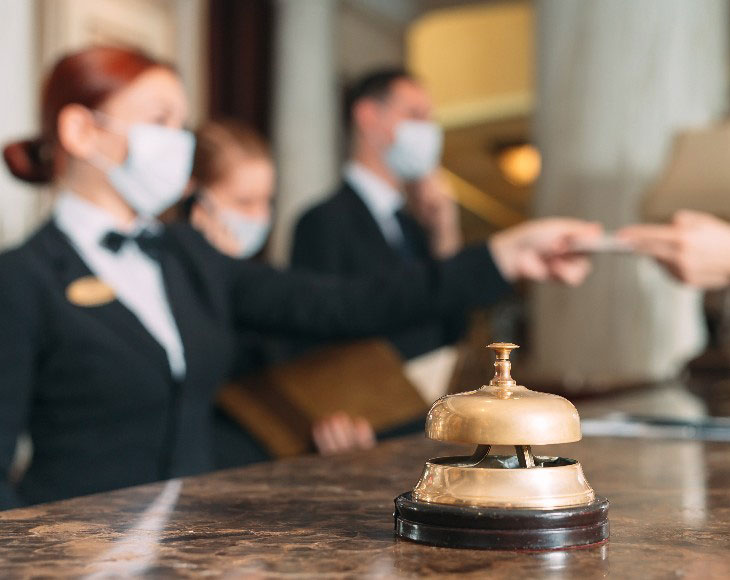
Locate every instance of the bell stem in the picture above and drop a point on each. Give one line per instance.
(524, 456)
(502, 366)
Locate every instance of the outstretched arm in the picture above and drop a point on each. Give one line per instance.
(331, 307)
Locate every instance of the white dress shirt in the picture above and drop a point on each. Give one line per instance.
(133, 275)
(381, 198)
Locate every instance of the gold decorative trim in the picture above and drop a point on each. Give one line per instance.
(481, 203)
(464, 114)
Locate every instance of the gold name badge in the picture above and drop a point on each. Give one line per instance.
(89, 291)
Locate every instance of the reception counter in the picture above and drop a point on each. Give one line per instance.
(332, 516)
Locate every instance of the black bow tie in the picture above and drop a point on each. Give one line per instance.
(150, 243)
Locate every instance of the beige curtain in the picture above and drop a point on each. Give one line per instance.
(617, 79)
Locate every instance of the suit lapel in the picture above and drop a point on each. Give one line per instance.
(69, 267)
(180, 298)
(200, 313)
(367, 229)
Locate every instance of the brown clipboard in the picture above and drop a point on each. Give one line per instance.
(279, 405)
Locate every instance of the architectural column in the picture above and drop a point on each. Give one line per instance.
(191, 30)
(617, 80)
(306, 111)
(19, 204)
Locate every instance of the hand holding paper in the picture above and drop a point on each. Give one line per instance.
(542, 249)
(695, 247)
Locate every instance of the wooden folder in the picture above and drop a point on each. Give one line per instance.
(697, 176)
(365, 379)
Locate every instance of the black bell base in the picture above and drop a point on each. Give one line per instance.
(500, 528)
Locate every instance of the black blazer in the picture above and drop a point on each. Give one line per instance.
(94, 389)
(340, 236)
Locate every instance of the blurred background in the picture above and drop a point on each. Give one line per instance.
(550, 107)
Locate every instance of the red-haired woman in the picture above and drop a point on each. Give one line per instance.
(116, 331)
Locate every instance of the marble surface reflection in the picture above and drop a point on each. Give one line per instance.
(136, 549)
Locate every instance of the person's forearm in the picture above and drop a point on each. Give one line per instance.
(312, 306)
(503, 248)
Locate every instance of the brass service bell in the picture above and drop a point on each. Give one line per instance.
(519, 501)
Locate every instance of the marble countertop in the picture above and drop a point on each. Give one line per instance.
(332, 517)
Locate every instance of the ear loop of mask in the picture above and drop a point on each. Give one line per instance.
(207, 204)
(105, 122)
(212, 209)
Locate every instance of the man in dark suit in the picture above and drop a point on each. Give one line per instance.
(364, 226)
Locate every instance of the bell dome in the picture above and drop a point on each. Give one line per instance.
(503, 412)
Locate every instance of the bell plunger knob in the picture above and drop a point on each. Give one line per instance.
(503, 366)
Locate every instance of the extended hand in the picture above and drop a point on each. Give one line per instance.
(340, 433)
(695, 247)
(541, 250)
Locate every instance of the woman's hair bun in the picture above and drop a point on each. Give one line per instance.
(30, 160)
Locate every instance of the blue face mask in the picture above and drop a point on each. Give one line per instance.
(416, 150)
(250, 233)
(157, 168)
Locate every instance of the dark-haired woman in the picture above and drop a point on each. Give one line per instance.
(116, 330)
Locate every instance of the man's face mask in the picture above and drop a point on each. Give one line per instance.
(416, 150)
(157, 167)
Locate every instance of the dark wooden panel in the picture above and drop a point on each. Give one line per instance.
(240, 38)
